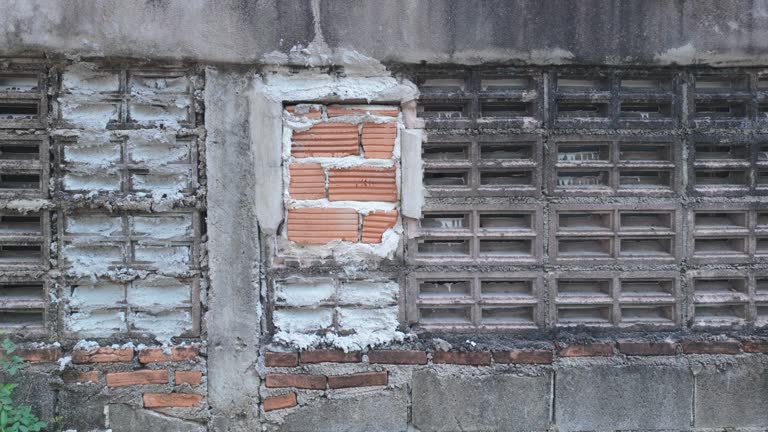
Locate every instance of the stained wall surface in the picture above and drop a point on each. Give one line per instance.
(341, 215)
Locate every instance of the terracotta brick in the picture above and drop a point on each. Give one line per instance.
(378, 140)
(326, 139)
(310, 382)
(362, 184)
(306, 111)
(188, 377)
(102, 355)
(307, 181)
(375, 223)
(398, 357)
(712, 347)
(365, 379)
(322, 225)
(38, 355)
(587, 350)
(330, 356)
(140, 377)
(523, 357)
(158, 355)
(760, 346)
(462, 358)
(342, 110)
(272, 403)
(72, 376)
(278, 359)
(170, 400)
(635, 348)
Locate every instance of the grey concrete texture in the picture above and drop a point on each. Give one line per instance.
(634, 397)
(435, 31)
(381, 411)
(508, 402)
(123, 418)
(733, 395)
(233, 317)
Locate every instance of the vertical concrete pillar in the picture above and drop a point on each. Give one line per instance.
(234, 308)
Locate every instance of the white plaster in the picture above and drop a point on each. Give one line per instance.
(369, 293)
(304, 292)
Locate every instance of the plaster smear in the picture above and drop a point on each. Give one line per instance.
(299, 322)
(98, 323)
(163, 325)
(369, 293)
(304, 292)
(163, 227)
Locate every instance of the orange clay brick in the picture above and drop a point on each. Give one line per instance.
(378, 140)
(170, 400)
(102, 355)
(280, 402)
(362, 184)
(375, 223)
(188, 377)
(158, 355)
(139, 377)
(307, 181)
(379, 110)
(326, 140)
(322, 225)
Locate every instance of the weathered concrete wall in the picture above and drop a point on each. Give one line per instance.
(435, 31)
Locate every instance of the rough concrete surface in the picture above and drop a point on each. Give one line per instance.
(509, 402)
(234, 310)
(436, 31)
(379, 411)
(623, 397)
(123, 418)
(732, 395)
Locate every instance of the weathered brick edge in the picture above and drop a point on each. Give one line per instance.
(295, 379)
(168, 378)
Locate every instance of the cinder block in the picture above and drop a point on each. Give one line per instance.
(619, 398)
(385, 411)
(733, 395)
(500, 402)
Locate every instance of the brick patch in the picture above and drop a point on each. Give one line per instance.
(307, 181)
(587, 350)
(712, 347)
(310, 382)
(272, 403)
(188, 377)
(330, 356)
(378, 140)
(326, 140)
(170, 400)
(523, 357)
(72, 376)
(159, 355)
(103, 355)
(322, 225)
(375, 223)
(632, 348)
(365, 379)
(362, 184)
(278, 359)
(462, 358)
(398, 357)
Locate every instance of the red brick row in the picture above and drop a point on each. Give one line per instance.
(321, 382)
(522, 356)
